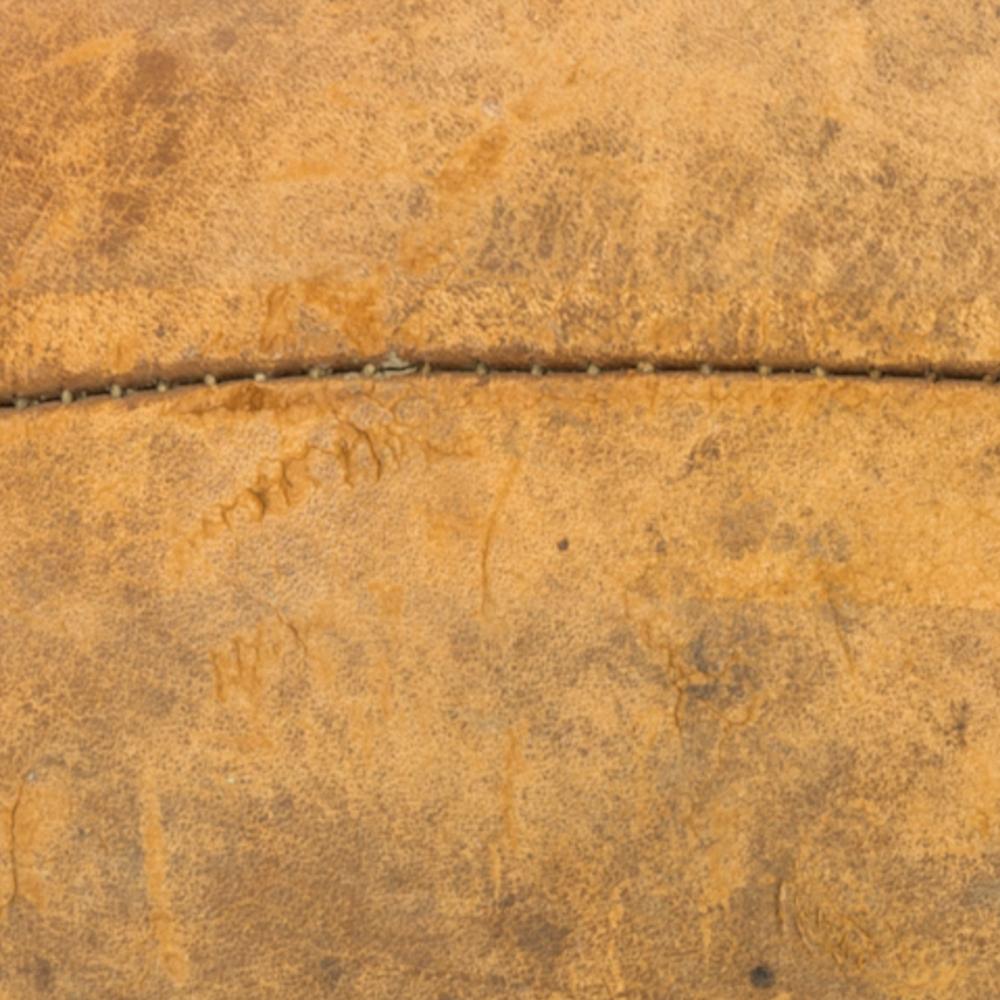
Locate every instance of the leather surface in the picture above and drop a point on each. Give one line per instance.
(192, 186)
(640, 686)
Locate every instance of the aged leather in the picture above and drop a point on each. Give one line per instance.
(455, 687)
(195, 186)
(629, 686)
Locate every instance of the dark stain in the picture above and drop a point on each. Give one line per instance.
(160, 332)
(699, 654)
(331, 971)
(762, 977)
(547, 222)
(417, 201)
(701, 455)
(167, 152)
(498, 255)
(154, 79)
(744, 529)
(541, 937)
(43, 975)
(702, 692)
(956, 732)
(224, 39)
(725, 652)
(563, 544)
(886, 178)
(828, 132)
(830, 543)
(784, 537)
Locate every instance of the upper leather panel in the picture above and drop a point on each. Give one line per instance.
(218, 186)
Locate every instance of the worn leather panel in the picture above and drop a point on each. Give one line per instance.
(638, 686)
(229, 186)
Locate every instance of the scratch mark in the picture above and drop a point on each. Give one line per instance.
(14, 875)
(839, 632)
(489, 535)
(171, 951)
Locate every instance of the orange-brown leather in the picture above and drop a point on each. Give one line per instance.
(644, 687)
(201, 185)
(640, 686)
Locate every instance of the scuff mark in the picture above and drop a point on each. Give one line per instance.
(489, 535)
(14, 875)
(166, 931)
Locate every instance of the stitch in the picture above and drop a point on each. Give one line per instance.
(391, 367)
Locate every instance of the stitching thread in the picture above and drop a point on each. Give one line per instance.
(394, 366)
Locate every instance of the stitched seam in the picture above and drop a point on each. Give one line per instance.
(395, 367)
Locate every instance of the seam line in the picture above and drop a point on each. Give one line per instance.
(393, 366)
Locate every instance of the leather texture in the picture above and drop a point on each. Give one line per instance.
(194, 186)
(455, 687)
(634, 686)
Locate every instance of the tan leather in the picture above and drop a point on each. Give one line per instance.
(454, 688)
(195, 185)
(641, 686)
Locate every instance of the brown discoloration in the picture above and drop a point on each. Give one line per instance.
(584, 182)
(308, 759)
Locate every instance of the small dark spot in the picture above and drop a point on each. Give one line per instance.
(330, 971)
(160, 331)
(563, 544)
(762, 976)
(507, 901)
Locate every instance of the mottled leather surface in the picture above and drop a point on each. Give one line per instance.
(639, 686)
(191, 185)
